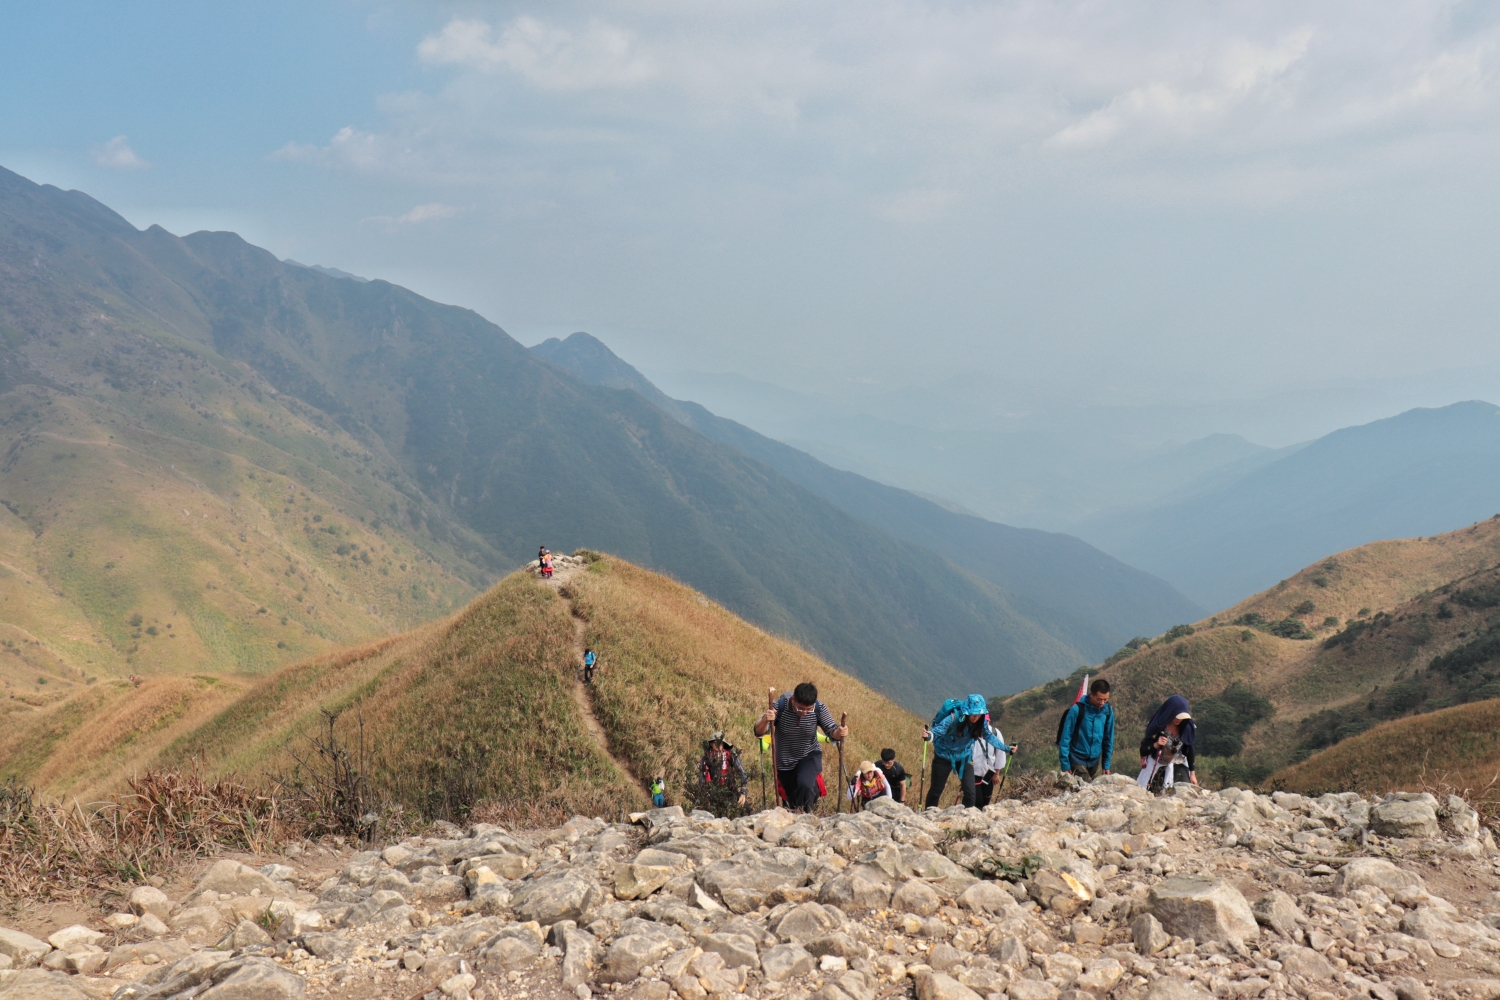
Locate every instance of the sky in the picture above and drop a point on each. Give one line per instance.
(977, 209)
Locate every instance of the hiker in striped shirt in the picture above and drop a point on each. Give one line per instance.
(799, 760)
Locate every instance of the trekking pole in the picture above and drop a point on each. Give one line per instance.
(1006, 773)
(762, 744)
(775, 778)
(922, 780)
(843, 777)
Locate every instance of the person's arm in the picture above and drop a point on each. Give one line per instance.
(1065, 745)
(826, 723)
(1109, 739)
(940, 731)
(996, 740)
(768, 719)
(1187, 751)
(1148, 745)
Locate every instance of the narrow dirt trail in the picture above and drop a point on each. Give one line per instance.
(583, 694)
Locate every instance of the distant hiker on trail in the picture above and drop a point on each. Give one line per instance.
(895, 774)
(796, 718)
(989, 769)
(588, 666)
(868, 785)
(953, 734)
(1167, 756)
(658, 792)
(722, 780)
(547, 566)
(1086, 736)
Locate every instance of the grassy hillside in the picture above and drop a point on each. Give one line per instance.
(1418, 473)
(423, 436)
(1077, 593)
(481, 707)
(1370, 634)
(1455, 749)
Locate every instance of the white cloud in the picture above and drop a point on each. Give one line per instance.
(547, 57)
(430, 212)
(916, 206)
(116, 154)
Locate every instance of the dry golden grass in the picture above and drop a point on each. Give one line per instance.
(676, 666)
(1457, 748)
(1377, 576)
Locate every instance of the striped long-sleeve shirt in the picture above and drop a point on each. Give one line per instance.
(797, 734)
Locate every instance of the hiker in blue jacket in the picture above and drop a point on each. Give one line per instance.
(1087, 742)
(953, 738)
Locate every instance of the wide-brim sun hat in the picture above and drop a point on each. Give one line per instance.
(865, 767)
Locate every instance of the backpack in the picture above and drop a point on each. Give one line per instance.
(1057, 740)
(949, 707)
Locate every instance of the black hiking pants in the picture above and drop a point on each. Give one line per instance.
(800, 783)
(941, 768)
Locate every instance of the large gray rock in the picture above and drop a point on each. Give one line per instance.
(580, 954)
(807, 922)
(944, 875)
(984, 897)
(936, 986)
(1202, 908)
(146, 899)
(917, 897)
(512, 949)
(860, 887)
(557, 897)
(384, 906)
(1404, 819)
(246, 934)
(736, 949)
(1376, 872)
(235, 879)
(743, 881)
(254, 979)
(39, 984)
(1306, 963)
(199, 923)
(637, 881)
(22, 948)
(1149, 935)
(1278, 911)
(1031, 989)
(1176, 988)
(784, 961)
(633, 952)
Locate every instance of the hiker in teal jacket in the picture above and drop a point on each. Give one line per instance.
(1087, 743)
(953, 738)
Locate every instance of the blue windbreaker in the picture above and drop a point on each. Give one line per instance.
(1091, 738)
(951, 739)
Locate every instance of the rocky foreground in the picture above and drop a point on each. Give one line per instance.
(1228, 894)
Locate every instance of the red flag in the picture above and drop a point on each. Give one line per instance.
(1083, 689)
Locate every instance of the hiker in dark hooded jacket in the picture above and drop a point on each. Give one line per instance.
(1168, 746)
(953, 738)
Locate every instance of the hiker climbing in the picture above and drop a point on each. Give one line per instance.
(546, 564)
(990, 766)
(868, 785)
(958, 725)
(895, 775)
(589, 659)
(1086, 733)
(793, 721)
(722, 780)
(1167, 756)
(658, 792)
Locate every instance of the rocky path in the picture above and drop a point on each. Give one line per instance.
(564, 569)
(1115, 896)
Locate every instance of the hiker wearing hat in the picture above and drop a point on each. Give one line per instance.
(722, 780)
(868, 785)
(953, 737)
(1167, 756)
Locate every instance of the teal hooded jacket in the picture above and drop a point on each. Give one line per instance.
(951, 737)
(1088, 733)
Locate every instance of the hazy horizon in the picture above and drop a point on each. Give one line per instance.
(1153, 223)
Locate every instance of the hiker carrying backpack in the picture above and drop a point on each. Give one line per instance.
(958, 726)
(1086, 733)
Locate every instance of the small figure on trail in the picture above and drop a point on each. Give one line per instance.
(960, 724)
(1086, 736)
(541, 553)
(547, 566)
(588, 666)
(989, 768)
(868, 785)
(722, 780)
(1167, 756)
(895, 774)
(796, 718)
(658, 792)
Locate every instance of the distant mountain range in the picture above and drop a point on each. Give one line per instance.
(1238, 531)
(284, 458)
(1077, 592)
